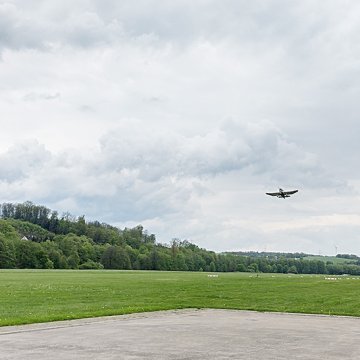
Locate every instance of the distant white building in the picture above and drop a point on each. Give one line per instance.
(25, 238)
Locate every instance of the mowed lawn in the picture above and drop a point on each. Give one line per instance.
(29, 296)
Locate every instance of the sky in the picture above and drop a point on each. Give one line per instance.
(179, 115)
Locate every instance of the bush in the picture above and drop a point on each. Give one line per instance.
(91, 265)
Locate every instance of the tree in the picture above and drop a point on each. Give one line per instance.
(144, 261)
(54, 222)
(26, 255)
(116, 257)
(253, 267)
(7, 254)
(54, 254)
(212, 267)
(31, 255)
(8, 231)
(180, 264)
(80, 226)
(134, 237)
(241, 268)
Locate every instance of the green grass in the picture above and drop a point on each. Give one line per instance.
(29, 296)
(335, 260)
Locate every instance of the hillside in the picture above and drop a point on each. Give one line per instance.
(33, 236)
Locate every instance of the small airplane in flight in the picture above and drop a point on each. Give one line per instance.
(283, 194)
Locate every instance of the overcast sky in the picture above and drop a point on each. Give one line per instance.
(179, 115)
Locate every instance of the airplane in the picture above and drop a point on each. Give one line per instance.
(283, 194)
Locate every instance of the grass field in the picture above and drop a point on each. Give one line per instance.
(29, 296)
(333, 259)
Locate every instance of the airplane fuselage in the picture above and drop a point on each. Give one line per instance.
(282, 194)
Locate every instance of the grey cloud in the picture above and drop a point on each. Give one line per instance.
(18, 32)
(22, 27)
(22, 160)
(136, 177)
(87, 29)
(87, 109)
(180, 66)
(260, 147)
(29, 171)
(41, 96)
(140, 172)
(288, 25)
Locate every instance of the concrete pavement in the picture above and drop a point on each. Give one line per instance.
(187, 334)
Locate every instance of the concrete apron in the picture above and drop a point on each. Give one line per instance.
(187, 334)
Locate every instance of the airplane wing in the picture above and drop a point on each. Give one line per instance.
(290, 192)
(273, 194)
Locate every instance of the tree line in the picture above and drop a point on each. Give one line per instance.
(33, 236)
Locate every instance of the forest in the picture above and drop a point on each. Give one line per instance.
(33, 236)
